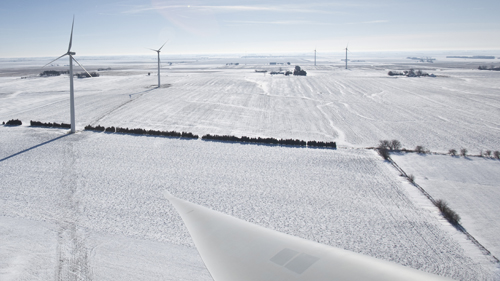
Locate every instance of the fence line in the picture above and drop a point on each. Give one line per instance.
(458, 226)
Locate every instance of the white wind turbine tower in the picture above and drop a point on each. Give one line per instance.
(158, 51)
(314, 56)
(346, 49)
(70, 54)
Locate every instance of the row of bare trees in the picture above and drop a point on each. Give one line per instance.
(408, 73)
(385, 146)
(487, 153)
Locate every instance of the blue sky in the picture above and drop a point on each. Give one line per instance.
(33, 28)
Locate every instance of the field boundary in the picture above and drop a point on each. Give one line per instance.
(209, 137)
(458, 226)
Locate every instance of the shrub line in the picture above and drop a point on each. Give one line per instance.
(13, 122)
(49, 125)
(208, 137)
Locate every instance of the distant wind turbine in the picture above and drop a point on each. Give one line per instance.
(158, 51)
(71, 91)
(314, 56)
(346, 49)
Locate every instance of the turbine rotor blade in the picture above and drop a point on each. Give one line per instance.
(71, 36)
(80, 65)
(153, 50)
(54, 60)
(162, 45)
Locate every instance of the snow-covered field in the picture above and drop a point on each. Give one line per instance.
(357, 107)
(469, 185)
(89, 205)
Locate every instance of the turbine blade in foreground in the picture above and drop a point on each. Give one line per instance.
(233, 249)
(81, 66)
(71, 36)
(54, 60)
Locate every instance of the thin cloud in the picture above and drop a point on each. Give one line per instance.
(302, 22)
(228, 9)
(369, 22)
(284, 22)
(283, 9)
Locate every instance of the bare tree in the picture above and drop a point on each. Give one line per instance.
(452, 152)
(447, 212)
(487, 153)
(463, 152)
(411, 178)
(384, 152)
(384, 144)
(496, 154)
(395, 145)
(420, 149)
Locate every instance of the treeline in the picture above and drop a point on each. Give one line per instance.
(331, 144)
(274, 141)
(244, 139)
(484, 67)
(47, 73)
(471, 57)
(409, 73)
(86, 75)
(286, 73)
(53, 73)
(138, 131)
(49, 125)
(13, 122)
(386, 146)
(486, 154)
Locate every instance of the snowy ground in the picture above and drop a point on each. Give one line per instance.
(356, 107)
(88, 188)
(469, 185)
(89, 205)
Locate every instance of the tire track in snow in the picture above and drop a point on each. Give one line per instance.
(340, 134)
(140, 94)
(264, 86)
(73, 262)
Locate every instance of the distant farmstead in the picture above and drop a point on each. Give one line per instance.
(299, 72)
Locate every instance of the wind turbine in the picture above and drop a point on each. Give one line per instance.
(70, 54)
(346, 49)
(158, 51)
(314, 56)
